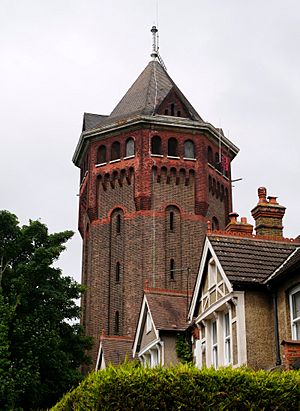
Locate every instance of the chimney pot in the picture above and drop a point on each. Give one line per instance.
(243, 220)
(233, 217)
(272, 200)
(262, 195)
(208, 227)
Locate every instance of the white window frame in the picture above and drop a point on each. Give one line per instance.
(214, 344)
(227, 339)
(295, 321)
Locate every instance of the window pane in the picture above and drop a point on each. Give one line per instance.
(189, 150)
(214, 332)
(156, 145)
(172, 147)
(227, 330)
(296, 305)
(115, 151)
(130, 147)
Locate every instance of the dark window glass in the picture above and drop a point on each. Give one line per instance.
(209, 155)
(172, 269)
(115, 151)
(117, 323)
(118, 224)
(172, 109)
(129, 147)
(156, 145)
(118, 270)
(189, 149)
(171, 220)
(101, 155)
(172, 147)
(214, 224)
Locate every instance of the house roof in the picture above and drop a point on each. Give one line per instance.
(290, 264)
(148, 92)
(91, 121)
(248, 260)
(168, 309)
(116, 349)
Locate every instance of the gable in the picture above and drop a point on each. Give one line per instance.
(142, 335)
(212, 283)
(172, 105)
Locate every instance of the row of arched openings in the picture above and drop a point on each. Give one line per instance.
(115, 151)
(217, 189)
(173, 147)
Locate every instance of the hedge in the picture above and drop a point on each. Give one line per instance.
(131, 387)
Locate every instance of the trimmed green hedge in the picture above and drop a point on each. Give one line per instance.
(131, 387)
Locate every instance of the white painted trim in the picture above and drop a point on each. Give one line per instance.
(292, 291)
(98, 356)
(100, 164)
(114, 161)
(214, 307)
(207, 247)
(148, 347)
(241, 328)
(128, 157)
(189, 158)
(280, 267)
(139, 328)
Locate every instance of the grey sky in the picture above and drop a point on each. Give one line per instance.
(237, 62)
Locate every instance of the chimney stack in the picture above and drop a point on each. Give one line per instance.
(235, 226)
(268, 215)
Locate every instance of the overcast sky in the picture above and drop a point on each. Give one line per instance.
(237, 62)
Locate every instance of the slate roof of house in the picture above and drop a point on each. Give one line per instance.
(91, 121)
(290, 264)
(168, 309)
(116, 349)
(250, 260)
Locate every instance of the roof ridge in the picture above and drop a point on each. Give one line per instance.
(223, 233)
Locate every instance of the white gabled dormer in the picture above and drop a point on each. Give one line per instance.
(218, 312)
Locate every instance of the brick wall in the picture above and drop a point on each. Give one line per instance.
(144, 190)
(291, 354)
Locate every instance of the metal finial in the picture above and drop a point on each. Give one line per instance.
(154, 53)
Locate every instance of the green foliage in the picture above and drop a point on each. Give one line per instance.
(183, 349)
(40, 349)
(184, 388)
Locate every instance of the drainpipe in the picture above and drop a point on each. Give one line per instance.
(276, 329)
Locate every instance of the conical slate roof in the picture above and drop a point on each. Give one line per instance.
(148, 92)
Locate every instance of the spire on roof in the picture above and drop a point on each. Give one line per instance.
(155, 47)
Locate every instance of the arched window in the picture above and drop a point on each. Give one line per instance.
(172, 269)
(172, 147)
(101, 155)
(117, 323)
(156, 145)
(118, 224)
(209, 155)
(118, 271)
(129, 147)
(214, 224)
(115, 151)
(189, 149)
(171, 220)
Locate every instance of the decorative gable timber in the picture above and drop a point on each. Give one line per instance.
(211, 292)
(140, 330)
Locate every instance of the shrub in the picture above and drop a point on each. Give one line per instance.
(130, 387)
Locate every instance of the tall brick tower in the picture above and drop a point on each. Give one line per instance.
(152, 174)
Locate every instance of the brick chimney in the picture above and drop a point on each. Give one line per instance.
(268, 215)
(235, 226)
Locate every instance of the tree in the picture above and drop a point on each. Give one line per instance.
(41, 349)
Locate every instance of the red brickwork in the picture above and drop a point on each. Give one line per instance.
(291, 354)
(143, 191)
